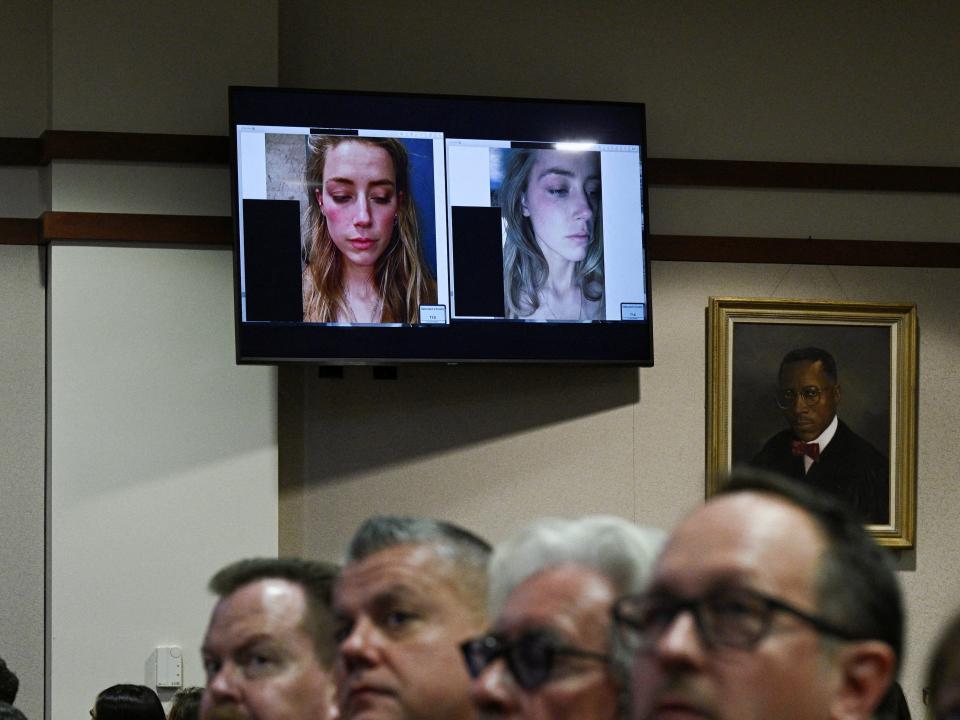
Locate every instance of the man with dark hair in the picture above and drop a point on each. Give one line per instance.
(9, 712)
(9, 683)
(411, 591)
(269, 647)
(770, 601)
(819, 448)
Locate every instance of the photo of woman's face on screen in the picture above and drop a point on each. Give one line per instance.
(551, 205)
(363, 252)
(358, 198)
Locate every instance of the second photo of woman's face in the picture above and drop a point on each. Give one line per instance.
(359, 200)
(561, 199)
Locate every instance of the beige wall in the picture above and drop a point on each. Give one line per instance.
(21, 469)
(162, 460)
(493, 447)
(157, 67)
(162, 453)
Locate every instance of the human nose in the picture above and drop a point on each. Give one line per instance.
(799, 405)
(362, 646)
(362, 216)
(491, 691)
(680, 642)
(582, 207)
(224, 686)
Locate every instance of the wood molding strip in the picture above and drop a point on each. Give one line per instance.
(19, 231)
(130, 228)
(20, 151)
(135, 147)
(804, 251)
(215, 230)
(661, 172)
(802, 176)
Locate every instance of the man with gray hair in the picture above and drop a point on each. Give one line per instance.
(412, 589)
(552, 586)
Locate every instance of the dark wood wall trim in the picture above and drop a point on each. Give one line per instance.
(20, 231)
(803, 176)
(661, 172)
(20, 151)
(214, 230)
(129, 228)
(804, 251)
(115, 147)
(135, 147)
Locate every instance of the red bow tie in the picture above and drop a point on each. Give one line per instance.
(811, 450)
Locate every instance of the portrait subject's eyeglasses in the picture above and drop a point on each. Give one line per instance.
(810, 395)
(735, 618)
(530, 657)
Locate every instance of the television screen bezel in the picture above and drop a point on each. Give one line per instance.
(459, 341)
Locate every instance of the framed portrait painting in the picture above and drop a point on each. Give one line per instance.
(820, 391)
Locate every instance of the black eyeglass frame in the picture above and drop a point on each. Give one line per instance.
(480, 652)
(695, 606)
(815, 391)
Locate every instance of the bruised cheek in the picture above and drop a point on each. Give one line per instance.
(337, 218)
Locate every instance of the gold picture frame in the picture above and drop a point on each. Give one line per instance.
(875, 346)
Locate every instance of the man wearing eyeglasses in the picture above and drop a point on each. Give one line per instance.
(549, 655)
(819, 448)
(771, 601)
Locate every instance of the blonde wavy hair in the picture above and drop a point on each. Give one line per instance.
(401, 275)
(525, 268)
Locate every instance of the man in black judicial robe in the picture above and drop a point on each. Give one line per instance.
(819, 449)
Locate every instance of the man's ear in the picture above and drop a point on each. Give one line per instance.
(836, 394)
(866, 670)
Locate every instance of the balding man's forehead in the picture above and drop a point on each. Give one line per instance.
(743, 538)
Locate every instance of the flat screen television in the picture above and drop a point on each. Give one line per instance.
(376, 228)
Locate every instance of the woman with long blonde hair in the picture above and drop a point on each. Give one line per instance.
(363, 261)
(553, 251)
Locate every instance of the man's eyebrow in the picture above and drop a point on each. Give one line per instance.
(387, 596)
(243, 647)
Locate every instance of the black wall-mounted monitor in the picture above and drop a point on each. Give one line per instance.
(377, 228)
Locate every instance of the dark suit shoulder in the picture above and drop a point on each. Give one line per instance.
(853, 469)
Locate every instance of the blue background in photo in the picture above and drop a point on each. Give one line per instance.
(420, 152)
